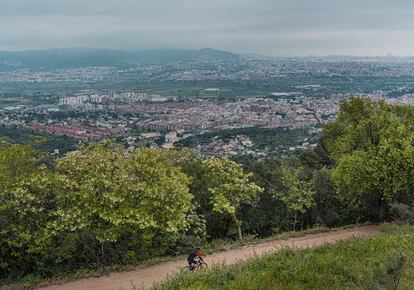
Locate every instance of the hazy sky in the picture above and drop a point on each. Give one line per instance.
(271, 27)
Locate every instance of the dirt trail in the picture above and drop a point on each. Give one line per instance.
(146, 277)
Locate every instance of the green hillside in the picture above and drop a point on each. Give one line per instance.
(104, 207)
(368, 263)
(84, 57)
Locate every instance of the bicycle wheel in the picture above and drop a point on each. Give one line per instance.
(186, 269)
(203, 265)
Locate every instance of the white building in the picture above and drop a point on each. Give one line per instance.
(73, 101)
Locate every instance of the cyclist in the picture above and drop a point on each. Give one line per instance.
(195, 253)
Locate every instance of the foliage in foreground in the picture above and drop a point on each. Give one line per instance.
(372, 144)
(384, 262)
(103, 206)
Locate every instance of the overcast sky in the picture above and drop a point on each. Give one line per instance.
(270, 27)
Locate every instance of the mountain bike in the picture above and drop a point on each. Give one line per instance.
(198, 265)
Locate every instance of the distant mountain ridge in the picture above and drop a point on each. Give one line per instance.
(84, 57)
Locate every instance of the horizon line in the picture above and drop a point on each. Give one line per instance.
(387, 55)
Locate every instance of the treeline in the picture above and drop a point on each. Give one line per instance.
(40, 141)
(263, 138)
(102, 205)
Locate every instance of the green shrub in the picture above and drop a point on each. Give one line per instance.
(402, 213)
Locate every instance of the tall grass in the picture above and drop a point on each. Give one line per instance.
(384, 262)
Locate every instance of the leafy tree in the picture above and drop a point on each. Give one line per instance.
(357, 127)
(372, 145)
(297, 194)
(269, 216)
(110, 192)
(25, 196)
(229, 187)
(17, 162)
(328, 208)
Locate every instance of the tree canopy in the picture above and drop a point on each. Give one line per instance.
(229, 186)
(372, 145)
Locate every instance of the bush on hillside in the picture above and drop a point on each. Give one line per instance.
(402, 213)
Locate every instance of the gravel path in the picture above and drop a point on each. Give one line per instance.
(147, 276)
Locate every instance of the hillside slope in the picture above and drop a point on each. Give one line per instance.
(146, 277)
(383, 262)
(91, 57)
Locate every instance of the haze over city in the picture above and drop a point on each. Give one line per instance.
(268, 27)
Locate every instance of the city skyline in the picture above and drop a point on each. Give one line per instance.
(273, 28)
